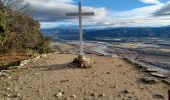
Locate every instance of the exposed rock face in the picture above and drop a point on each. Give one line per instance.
(167, 80)
(150, 80)
(158, 75)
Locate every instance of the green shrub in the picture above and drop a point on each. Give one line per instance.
(19, 32)
(43, 47)
(3, 27)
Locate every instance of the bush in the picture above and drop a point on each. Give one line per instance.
(30, 53)
(43, 47)
(3, 27)
(19, 33)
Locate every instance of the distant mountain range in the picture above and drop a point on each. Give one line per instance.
(107, 33)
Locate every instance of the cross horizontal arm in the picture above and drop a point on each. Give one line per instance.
(82, 14)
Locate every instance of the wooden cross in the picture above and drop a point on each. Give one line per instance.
(80, 14)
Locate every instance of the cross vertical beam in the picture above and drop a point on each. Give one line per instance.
(80, 14)
(80, 29)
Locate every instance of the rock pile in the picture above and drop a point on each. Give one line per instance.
(82, 62)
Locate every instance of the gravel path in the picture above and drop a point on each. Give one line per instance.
(53, 78)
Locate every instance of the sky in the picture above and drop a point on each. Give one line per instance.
(108, 13)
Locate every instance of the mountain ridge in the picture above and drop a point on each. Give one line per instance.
(92, 34)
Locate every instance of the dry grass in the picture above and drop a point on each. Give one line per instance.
(12, 57)
(63, 46)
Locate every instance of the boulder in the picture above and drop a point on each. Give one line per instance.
(166, 80)
(150, 70)
(150, 80)
(59, 94)
(158, 96)
(156, 74)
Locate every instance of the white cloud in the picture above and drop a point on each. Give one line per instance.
(64, 1)
(61, 1)
(150, 1)
(53, 13)
(164, 11)
(55, 10)
(142, 16)
(138, 12)
(136, 17)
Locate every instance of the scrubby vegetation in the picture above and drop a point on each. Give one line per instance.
(3, 28)
(20, 34)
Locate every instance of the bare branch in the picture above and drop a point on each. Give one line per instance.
(17, 5)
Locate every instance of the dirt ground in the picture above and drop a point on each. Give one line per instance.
(54, 78)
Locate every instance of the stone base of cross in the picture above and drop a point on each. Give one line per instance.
(81, 60)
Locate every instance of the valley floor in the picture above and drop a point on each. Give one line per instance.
(54, 78)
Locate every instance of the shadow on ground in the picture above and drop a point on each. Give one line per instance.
(58, 67)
